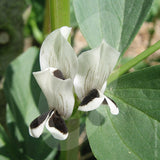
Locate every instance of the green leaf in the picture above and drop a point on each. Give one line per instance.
(3, 137)
(73, 20)
(25, 103)
(134, 133)
(7, 149)
(115, 21)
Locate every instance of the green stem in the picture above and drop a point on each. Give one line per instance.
(36, 32)
(59, 13)
(46, 25)
(70, 147)
(117, 73)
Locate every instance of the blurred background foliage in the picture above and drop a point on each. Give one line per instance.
(154, 12)
(22, 26)
(11, 40)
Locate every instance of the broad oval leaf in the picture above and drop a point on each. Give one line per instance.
(115, 21)
(23, 97)
(134, 133)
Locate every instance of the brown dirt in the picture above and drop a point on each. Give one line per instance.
(141, 41)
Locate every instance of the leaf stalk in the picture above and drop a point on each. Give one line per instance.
(123, 69)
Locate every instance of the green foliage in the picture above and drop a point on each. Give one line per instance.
(134, 133)
(11, 31)
(155, 11)
(115, 21)
(7, 149)
(34, 23)
(123, 69)
(23, 94)
(141, 65)
(73, 20)
(37, 11)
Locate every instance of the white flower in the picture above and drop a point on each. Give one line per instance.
(58, 64)
(60, 68)
(90, 82)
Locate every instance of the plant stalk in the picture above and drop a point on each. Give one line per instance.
(59, 13)
(117, 73)
(70, 147)
(46, 25)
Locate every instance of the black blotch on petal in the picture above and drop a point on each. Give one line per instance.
(91, 95)
(36, 122)
(105, 101)
(57, 73)
(57, 122)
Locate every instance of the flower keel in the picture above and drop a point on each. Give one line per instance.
(95, 66)
(54, 124)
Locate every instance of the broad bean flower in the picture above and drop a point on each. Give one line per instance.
(58, 64)
(90, 81)
(62, 73)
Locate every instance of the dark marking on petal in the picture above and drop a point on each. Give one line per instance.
(50, 112)
(105, 102)
(91, 95)
(57, 122)
(57, 73)
(36, 122)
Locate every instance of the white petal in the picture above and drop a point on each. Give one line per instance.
(65, 31)
(113, 108)
(92, 101)
(104, 87)
(37, 125)
(58, 92)
(56, 126)
(56, 52)
(94, 68)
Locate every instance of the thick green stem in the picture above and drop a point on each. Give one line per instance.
(70, 147)
(117, 73)
(59, 13)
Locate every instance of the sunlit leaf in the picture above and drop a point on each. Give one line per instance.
(134, 133)
(115, 21)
